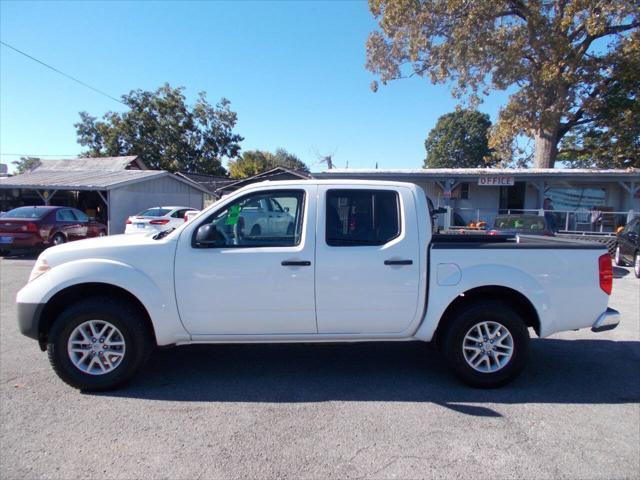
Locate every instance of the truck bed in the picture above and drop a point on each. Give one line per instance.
(524, 242)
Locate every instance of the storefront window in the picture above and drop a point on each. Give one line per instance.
(573, 199)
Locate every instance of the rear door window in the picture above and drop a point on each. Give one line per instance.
(81, 216)
(361, 217)
(65, 216)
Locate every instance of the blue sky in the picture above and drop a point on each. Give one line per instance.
(293, 71)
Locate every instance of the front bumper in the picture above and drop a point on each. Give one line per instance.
(29, 319)
(608, 320)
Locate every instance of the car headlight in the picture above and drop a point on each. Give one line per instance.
(39, 268)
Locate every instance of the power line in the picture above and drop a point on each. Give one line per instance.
(63, 74)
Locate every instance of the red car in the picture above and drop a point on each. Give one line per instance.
(26, 227)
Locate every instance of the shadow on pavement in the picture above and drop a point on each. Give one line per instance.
(559, 371)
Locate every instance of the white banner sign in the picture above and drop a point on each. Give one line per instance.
(496, 180)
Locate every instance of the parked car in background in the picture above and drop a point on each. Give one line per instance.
(522, 224)
(156, 219)
(42, 226)
(628, 247)
(190, 215)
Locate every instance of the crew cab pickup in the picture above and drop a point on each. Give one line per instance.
(340, 261)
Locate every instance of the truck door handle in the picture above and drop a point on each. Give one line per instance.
(294, 263)
(398, 262)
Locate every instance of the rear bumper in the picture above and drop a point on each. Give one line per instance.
(608, 320)
(20, 240)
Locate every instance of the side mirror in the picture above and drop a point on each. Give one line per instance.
(286, 209)
(208, 236)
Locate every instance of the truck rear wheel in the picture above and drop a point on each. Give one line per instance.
(98, 343)
(486, 344)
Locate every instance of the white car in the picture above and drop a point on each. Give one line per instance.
(157, 219)
(190, 215)
(359, 263)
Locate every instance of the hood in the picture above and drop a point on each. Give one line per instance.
(113, 247)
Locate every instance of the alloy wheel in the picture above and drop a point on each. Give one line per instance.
(488, 347)
(96, 347)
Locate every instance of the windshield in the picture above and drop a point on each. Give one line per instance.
(26, 212)
(154, 212)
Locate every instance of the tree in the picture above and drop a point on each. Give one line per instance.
(165, 132)
(253, 162)
(612, 140)
(459, 140)
(26, 164)
(557, 57)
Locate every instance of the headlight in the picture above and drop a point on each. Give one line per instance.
(39, 268)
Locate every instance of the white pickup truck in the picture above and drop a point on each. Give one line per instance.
(356, 261)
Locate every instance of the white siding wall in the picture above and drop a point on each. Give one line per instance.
(132, 199)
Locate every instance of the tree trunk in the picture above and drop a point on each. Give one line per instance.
(546, 139)
(546, 147)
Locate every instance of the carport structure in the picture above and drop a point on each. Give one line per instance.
(102, 187)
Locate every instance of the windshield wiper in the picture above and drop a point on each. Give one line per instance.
(163, 233)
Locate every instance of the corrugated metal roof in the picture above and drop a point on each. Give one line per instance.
(488, 171)
(78, 179)
(210, 182)
(90, 163)
(439, 172)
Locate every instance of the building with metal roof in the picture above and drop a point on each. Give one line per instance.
(277, 173)
(109, 188)
(479, 194)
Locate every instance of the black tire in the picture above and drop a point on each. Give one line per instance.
(125, 317)
(58, 239)
(636, 264)
(618, 260)
(461, 324)
(256, 231)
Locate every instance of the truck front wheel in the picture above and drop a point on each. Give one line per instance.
(98, 343)
(486, 344)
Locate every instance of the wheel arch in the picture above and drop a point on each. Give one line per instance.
(73, 293)
(499, 293)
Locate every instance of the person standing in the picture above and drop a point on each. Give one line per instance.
(549, 219)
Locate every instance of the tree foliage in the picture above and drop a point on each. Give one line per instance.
(459, 140)
(26, 164)
(253, 162)
(165, 132)
(559, 57)
(612, 139)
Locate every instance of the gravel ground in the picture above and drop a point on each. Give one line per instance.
(366, 410)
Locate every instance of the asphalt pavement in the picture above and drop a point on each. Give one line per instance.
(385, 410)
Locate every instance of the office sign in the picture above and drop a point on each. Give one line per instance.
(496, 181)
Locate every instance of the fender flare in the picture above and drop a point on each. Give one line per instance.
(160, 305)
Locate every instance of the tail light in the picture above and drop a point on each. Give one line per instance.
(186, 219)
(162, 221)
(492, 232)
(30, 227)
(128, 222)
(606, 273)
